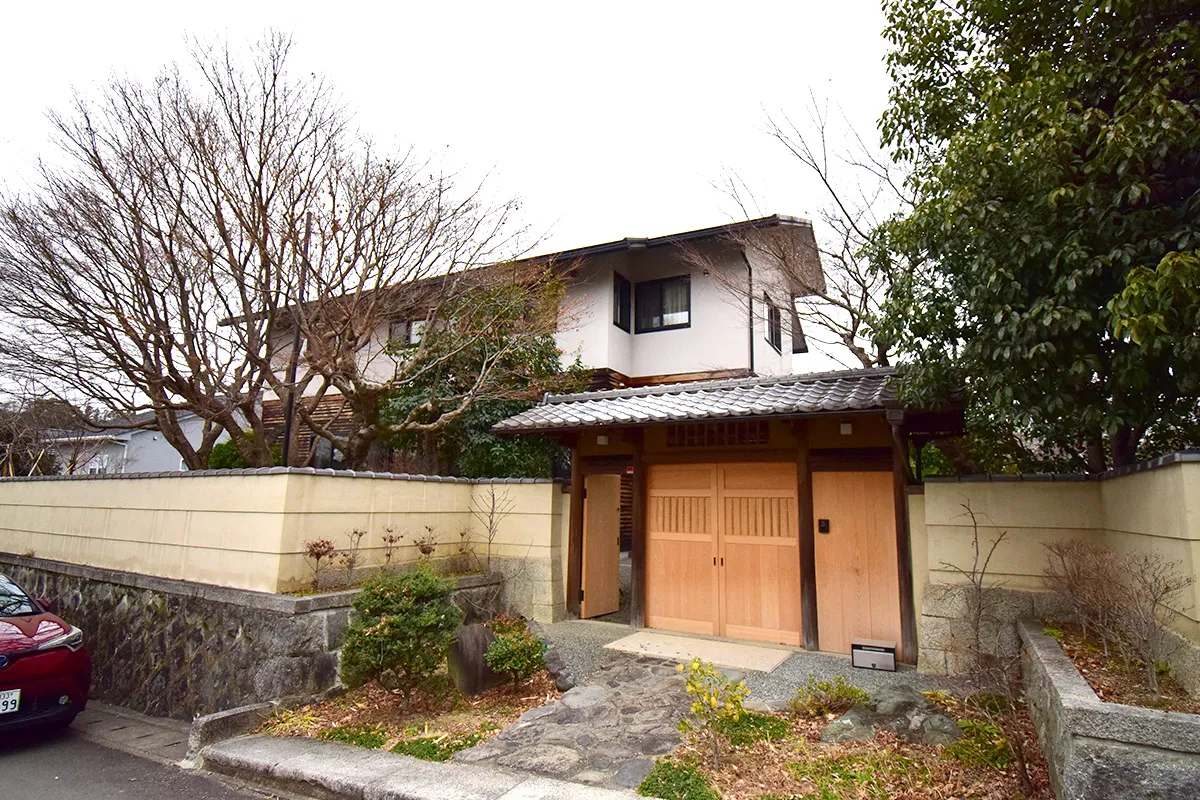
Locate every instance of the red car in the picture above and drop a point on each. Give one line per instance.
(45, 670)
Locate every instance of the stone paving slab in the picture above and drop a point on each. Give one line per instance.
(605, 732)
(161, 740)
(333, 771)
(674, 647)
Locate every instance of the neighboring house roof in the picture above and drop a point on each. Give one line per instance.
(792, 395)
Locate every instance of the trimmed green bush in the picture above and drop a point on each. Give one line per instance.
(519, 654)
(401, 630)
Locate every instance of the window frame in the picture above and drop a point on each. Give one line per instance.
(641, 286)
(406, 328)
(623, 302)
(774, 324)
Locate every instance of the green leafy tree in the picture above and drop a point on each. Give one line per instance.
(1055, 157)
(226, 455)
(402, 628)
(523, 367)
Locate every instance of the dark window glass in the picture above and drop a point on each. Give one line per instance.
(774, 324)
(14, 602)
(622, 301)
(799, 343)
(665, 304)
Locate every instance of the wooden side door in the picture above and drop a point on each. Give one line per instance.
(601, 546)
(759, 552)
(681, 548)
(858, 585)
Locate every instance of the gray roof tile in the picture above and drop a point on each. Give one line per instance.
(850, 390)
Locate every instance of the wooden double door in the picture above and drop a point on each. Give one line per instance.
(722, 550)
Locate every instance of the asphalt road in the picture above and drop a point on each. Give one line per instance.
(66, 766)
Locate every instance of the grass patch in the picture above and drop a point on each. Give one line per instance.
(437, 748)
(876, 775)
(753, 728)
(982, 745)
(673, 780)
(371, 738)
(818, 698)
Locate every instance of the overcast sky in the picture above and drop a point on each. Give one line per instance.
(608, 119)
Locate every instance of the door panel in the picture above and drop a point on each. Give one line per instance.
(760, 552)
(722, 550)
(601, 546)
(681, 576)
(858, 589)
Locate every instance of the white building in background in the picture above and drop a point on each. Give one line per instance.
(125, 449)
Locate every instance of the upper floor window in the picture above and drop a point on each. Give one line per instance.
(404, 333)
(664, 304)
(622, 301)
(774, 324)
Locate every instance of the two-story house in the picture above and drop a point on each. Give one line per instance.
(642, 311)
(680, 307)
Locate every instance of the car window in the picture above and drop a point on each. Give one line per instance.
(14, 602)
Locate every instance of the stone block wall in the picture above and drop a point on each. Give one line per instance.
(180, 649)
(946, 627)
(1104, 750)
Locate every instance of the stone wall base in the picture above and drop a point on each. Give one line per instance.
(1104, 750)
(180, 649)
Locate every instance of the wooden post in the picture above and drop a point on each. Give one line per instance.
(900, 479)
(637, 551)
(575, 536)
(809, 632)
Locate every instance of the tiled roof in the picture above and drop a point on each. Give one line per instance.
(850, 390)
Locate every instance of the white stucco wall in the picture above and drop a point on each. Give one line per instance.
(718, 338)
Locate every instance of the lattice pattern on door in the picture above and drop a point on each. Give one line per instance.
(679, 514)
(768, 517)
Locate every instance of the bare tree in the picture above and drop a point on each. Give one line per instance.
(490, 509)
(197, 223)
(836, 286)
(988, 663)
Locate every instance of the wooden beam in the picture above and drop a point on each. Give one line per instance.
(900, 480)
(637, 552)
(809, 633)
(575, 537)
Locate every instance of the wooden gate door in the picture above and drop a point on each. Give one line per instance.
(601, 546)
(858, 585)
(681, 548)
(759, 552)
(722, 550)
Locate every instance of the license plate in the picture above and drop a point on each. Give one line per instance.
(10, 701)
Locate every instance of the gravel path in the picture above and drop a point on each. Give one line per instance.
(778, 686)
(581, 643)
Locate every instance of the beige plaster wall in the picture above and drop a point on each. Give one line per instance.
(247, 530)
(1156, 510)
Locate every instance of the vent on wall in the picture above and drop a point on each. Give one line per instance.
(718, 434)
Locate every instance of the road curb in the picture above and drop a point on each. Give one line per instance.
(223, 725)
(334, 771)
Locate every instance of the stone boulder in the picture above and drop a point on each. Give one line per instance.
(468, 670)
(901, 709)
